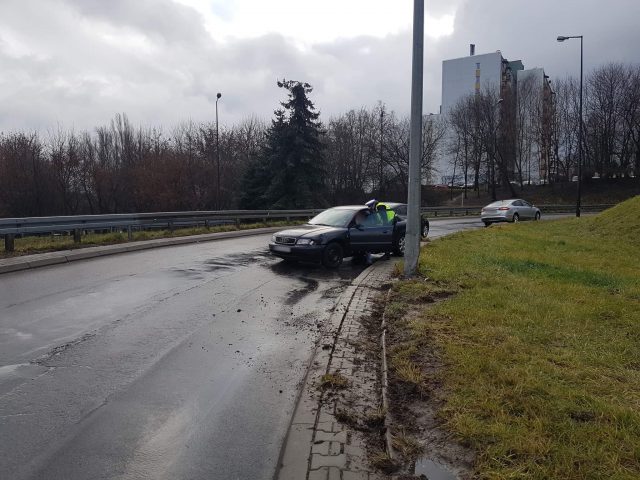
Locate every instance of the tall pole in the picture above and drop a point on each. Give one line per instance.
(217, 155)
(412, 238)
(580, 139)
(381, 178)
(562, 38)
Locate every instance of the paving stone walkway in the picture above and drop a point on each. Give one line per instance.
(318, 445)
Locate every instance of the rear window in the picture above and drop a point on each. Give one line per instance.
(499, 203)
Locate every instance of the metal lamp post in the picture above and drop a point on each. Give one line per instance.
(562, 38)
(217, 154)
(412, 237)
(497, 113)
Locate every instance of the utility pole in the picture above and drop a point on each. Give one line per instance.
(218, 95)
(563, 38)
(578, 206)
(412, 238)
(381, 178)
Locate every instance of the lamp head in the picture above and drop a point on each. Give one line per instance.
(562, 38)
(218, 95)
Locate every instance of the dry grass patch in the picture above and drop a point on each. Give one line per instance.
(334, 381)
(408, 446)
(383, 462)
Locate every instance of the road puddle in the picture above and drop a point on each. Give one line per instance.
(433, 470)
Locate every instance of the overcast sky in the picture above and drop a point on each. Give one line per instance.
(76, 63)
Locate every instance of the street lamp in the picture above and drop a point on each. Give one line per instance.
(217, 154)
(412, 243)
(562, 38)
(496, 125)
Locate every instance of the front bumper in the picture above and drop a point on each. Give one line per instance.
(304, 253)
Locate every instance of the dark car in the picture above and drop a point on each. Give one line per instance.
(337, 233)
(401, 211)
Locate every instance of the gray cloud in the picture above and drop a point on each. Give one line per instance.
(78, 62)
(164, 20)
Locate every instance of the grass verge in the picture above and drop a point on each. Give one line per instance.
(52, 243)
(539, 347)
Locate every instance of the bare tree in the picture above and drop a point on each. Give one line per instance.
(464, 141)
(353, 156)
(24, 176)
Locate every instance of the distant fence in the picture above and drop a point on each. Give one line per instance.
(475, 210)
(77, 224)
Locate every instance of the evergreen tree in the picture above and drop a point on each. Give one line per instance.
(289, 172)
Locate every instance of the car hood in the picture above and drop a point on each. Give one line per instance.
(308, 231)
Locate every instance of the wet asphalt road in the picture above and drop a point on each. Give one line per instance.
(172, 363)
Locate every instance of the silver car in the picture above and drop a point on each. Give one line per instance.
(512, 210)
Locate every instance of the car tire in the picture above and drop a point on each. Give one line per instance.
(486, 224)
(537, 217)
(425, 229)
(516, 218)
(332, 255)
(398, 248)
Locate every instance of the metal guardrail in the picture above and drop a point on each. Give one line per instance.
(10, 227)
(475, 209)
(170, 220)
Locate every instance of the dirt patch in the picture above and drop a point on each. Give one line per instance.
(294, 296)
(416, 396)
(415, 390)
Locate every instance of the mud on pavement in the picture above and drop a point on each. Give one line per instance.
(422, 447)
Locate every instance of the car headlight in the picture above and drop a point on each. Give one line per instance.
(273, 239)
(306, 241)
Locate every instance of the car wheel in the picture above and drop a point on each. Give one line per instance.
(398, 248)
(537, 216)
(516, 218)
(332, 255)
(486, 224)
(425, 229)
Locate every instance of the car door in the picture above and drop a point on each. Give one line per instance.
(381, 234)
(527, 210)
(370, 234)
(359, 233)
(516, 206)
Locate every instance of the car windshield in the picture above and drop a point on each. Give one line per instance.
(334, 217)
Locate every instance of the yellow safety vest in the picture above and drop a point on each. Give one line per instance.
(389, 213)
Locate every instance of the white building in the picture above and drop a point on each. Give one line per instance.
(468, 75)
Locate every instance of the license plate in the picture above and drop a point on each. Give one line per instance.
(281, 248)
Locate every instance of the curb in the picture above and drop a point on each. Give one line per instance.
(294, 460)
(27, 262)
(385, 384)
(313, 432)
